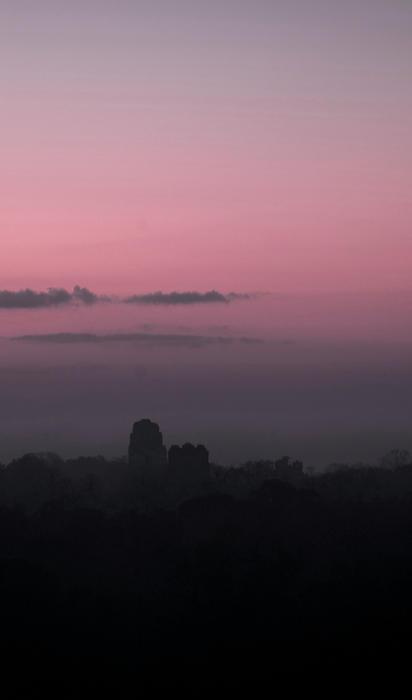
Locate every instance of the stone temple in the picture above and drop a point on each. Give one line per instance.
(188, 461)
(147, 452)
(146, 448)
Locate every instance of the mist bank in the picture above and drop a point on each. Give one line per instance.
(329, 380)
(320, 414)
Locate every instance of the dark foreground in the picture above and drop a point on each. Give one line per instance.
(228, 589)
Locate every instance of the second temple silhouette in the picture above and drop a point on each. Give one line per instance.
(149, 455)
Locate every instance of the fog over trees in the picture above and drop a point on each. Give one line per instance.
(161, 567)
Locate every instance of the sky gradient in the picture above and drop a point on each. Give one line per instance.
(159, 148)
(248, 145)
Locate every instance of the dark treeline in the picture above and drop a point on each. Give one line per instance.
(256, 571)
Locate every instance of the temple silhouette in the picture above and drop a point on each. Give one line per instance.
(149, 455)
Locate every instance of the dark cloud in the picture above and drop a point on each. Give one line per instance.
(85, 296)
(175, 298)
(160, 339)
(29, 299)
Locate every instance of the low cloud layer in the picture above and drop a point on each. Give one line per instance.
(29, 299)
(157, 339)
(176, 298)
(85, 296)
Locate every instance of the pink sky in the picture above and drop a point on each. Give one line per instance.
(244, 146)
